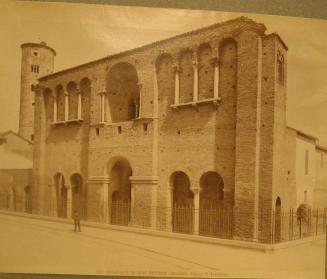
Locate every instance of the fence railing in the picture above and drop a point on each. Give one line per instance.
(272, 227)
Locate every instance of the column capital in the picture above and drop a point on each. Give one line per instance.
(196, 190)
(176, 68)
(39, 88)
(215, 61)
(195, 63)
(140, 85)
(102, 92)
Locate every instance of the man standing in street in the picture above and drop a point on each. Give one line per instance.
(76, 221)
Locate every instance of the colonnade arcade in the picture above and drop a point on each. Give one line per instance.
(68, 103)
(68, 196)
(200, 210)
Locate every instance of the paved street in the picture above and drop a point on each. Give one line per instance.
(36, 246)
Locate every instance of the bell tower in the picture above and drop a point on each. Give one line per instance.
(37, 61)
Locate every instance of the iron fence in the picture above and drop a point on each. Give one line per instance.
(270, 227)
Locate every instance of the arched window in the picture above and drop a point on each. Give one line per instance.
(73, 100)
(186, 76)
(166, 83)
(206, 72)
(85, 88)
(49, 100)
(60, 95)
(123, 93)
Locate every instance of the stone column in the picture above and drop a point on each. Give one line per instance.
(107, 109)
(55, 108)
(79, 104)
(195, 81)
(139, 108)
(69, 201)
(215, 62)
(176, 69)
(102, 106)
(66, 106)
(196, 204)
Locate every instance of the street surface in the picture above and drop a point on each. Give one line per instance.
(37, 246)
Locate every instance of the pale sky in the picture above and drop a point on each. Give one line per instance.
(84, 32)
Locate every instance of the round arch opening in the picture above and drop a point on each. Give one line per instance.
(61, 195)
(182, 212)
(120, 171)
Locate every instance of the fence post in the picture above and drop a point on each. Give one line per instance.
(317, 220)
(272, 226)
(300, 227)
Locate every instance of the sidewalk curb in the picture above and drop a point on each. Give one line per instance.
(236, 244)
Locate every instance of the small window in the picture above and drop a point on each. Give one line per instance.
(280, 68)
(97, 131)
(35, 53)
(32, 137)
(119, 129)
(306, 161)
(145, 127)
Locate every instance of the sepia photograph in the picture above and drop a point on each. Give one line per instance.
(161, 142)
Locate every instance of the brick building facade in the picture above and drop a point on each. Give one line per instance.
(194, 121)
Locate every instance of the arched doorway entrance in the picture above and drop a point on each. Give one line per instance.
(182, 213)
(61, 195)
(28, 199)
(213, 219)
(278, 219)
(121, 192)
(77, 194)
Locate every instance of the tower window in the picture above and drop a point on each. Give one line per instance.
(280, 68)
(35, 53)
(35, 68)
(32, 137)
